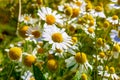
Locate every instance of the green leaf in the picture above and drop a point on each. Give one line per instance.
(37, 73)
(77, 76)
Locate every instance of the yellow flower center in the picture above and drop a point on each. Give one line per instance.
(50, 19)
(36, 33)
(114, 17)
(106, 24)
(32, 78)
(98, 8)
(91, 23)
(40, 50)
(39, 1)
(106, 68)
(15, 53)
(78, 3)
(90, 30)
(27, 18)
(68, 11)
(74, 40)
(88, 6)
(57, 37)
(23, 30)
(80, 57)
(52, 64)
(29, 60)
(100, 41)
(84, 76)
(116, 48)
(76, 12)
(102, 54)
(112, 70)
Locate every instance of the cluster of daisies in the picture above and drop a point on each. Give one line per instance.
(56, 40)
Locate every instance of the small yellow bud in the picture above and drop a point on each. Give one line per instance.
(68, 11)
(84, 76)
(116, 48)
(98, 8)
(80, 57)
(76, 12)
(114, 17)
(106, 24)
(22, 31)
(74, 40)
(112, 70)
(100, 41)
(15, 53)
(102, 54)
(90, 30)
(29, 60)
(52, 64)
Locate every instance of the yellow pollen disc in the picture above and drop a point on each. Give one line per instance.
(102, 54)
(76, 12)
(39, 1)
(114, 17)
(52, 64)
(98, 8)
(32, 78)
(106, 24)
(106, 68)
(116, 48)
(68, 11)
(80, 57)
(27, 18)
(50, 19)
(74, 40)
(23, 30)
(57, 37)
(112, 70)
(100, 41)
(78, 3)
(84, 76)
(89, 17)
(88, 6)
(91, 23)
(29, 60)
(90, 30)
(36, 34)
(15, 53)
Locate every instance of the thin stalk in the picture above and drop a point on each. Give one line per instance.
(19, 15)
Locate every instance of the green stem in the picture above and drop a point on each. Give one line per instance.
(10, 71)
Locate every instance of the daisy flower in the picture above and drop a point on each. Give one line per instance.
(115, 5)
(116, 50)
(34, 34)
(114, 19)
(98, 12)
(115, 36)
(79, 61)
(50, 17)
(27, 19)
(57, 37)
(14, 53)
(27, 76)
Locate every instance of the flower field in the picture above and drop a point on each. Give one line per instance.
(60, 40)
